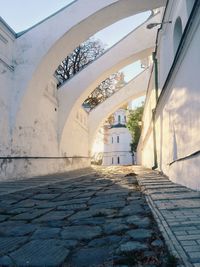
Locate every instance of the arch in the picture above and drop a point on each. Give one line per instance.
(123, 53)
(44, 43)
(178, 30)
(134, 89)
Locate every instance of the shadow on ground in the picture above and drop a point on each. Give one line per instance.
(101, 219)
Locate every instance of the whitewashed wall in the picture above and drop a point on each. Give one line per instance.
(177, 120)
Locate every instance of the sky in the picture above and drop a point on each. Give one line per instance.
(22, 14)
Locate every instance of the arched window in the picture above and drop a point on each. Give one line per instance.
(118, 160)
(117, 139)
(112, 140)
(119, 118)
(112, 160)
(177, 33)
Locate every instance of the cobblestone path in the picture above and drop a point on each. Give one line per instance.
(100, 219)
(177, 212)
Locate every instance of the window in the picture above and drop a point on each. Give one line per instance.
(177, 33)
(112, 140)
(117, 139)
(112, 160)
(125, 119)
(119, 118)
(118, 160)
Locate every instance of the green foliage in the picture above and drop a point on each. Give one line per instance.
(134, 125)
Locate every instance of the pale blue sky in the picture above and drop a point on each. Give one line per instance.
(22, 14)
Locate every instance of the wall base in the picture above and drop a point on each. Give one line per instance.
(19, 168)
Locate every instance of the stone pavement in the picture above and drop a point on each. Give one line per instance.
(97, 219)
(177, 212)
(22, 184)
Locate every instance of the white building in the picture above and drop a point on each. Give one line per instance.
(117, 142)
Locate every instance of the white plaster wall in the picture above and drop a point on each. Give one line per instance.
(178, 120)
(7, 40)
(75, 139)
(166, 51)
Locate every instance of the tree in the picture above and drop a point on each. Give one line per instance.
(84, 54)
(134, 125)
(105, 89)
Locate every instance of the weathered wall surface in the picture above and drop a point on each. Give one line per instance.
(29, 100)
(177, 120)
(34, 149)
(7, 40)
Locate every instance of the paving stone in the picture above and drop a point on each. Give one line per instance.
(102, 212)
(91, 257)
(3, 217)
(45, 196)
(46, 233)
(81, 232)
(8, 244)
(140, 234)
(132, 246)
(157, 243)
(32, 214)
(75, 201)
(104, 199)
(39, 253)
(194, 248)
(111, 240)
(132, 209)
(17, 211)
(70, 243)
(109, 205)
(111, 228)
(189, 243)
(139, 221)
(90, 221)
(72, 207)
(53, 216)
(29, 203)
(81, 215)
(17, 230)
(5, 261)
(51, 204)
